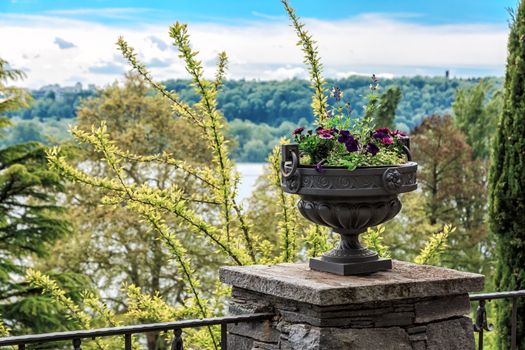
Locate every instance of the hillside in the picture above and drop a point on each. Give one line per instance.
(260, 112)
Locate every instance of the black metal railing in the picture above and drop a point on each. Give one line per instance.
(481, 324)
(76, 337)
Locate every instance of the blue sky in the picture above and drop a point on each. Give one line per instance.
(64, 41)
(423, 11)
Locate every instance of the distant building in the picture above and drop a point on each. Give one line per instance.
(58, 91)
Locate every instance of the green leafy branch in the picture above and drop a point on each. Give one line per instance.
(315, 68)
(432, 250)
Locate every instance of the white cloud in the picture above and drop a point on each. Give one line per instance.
(159, 43)
(107, 68)
(282, 73)
(257, 50)
(63, 44)
(340, 75)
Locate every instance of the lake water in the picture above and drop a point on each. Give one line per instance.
(249, 174)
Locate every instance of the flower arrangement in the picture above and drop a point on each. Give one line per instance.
(342, 138)
(346, 140)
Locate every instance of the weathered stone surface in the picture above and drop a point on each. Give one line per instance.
(442, 308)
(419, 345)
(265, 346)
(395, 319)
(393, 338)
(237, 342)
(262, 331)
(304, 337)
(297, 282)
(451, 335)
(417, 329)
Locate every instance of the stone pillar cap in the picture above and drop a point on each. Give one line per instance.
(297, 282)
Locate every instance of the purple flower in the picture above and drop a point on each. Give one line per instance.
(375, 83)
(383, 130)
(319, 167)
(383, 136)
(371, 148)
(343, 136)
(298, 131)
(350, 142)
(352, 145)
(336, 93)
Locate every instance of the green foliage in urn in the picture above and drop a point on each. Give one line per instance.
(507, 183)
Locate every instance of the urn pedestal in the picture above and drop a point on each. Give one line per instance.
(349, 202)
(411, 307)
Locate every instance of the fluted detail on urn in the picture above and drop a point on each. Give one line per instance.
(351, 215)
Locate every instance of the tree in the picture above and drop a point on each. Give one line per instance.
(30, 221)
(507, 184)
(475, 114)
(110, 246)
(11, 98)
(386, 111)
(453, 189)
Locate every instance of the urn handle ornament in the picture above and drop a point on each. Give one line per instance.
(392, 180)
(406, 148)
(291, 178)
(289, 153)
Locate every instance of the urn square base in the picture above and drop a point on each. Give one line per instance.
(348, 269)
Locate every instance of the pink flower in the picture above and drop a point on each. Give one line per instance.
(298, 131)
(398, 133)
(325, 134)
(387, 140)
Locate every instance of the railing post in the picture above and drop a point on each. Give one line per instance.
(76, 344)
(480, 322)
(224, 336)
(177, 340)
(514, 324)
(21, 347)
(127, 342)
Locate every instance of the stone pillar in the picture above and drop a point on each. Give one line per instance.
(411, 307)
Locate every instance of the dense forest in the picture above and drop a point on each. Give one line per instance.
(259, 112)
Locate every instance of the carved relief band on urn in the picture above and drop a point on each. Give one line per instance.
(349, 202)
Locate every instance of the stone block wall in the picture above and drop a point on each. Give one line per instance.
(434, 323)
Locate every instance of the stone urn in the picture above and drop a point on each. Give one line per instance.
(349, 202)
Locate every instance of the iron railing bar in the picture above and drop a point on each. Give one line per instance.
(177, 343)
(479, 326)
(127, 341)
(514, 323)
(224, 336)
(105, 332)
(481, 320)
(497, 295)
(76, 344)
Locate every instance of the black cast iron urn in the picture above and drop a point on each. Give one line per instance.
(349, 202)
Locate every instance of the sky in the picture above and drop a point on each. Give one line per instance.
(69, 41)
